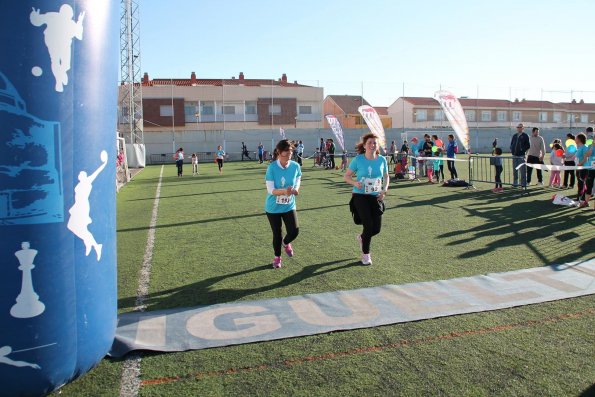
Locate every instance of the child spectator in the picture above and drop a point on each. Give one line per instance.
(497, 162)
(194, 158)
(556, 158)
(344, 160)
(439, 165)
(430, 170)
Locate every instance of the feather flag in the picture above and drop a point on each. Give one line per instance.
(282, 132)
(455, 114)
(337, 130)
(374, 124)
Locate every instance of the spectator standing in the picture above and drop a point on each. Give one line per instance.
(260, 153)
(179, 157)
(535, 155)
(451, 150)
(569, 160)
(283, 180)
(519, 145)
(556, 158)
(369, 190)
(194, 159)
(582, 156)
(497, 162)
(300, 152)
(331, 153)
(392, 150)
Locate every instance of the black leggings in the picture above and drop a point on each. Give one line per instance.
(497, 178)
(453, 171)
(220, 163)
(367, 208)
(291, 226)
(569, 174)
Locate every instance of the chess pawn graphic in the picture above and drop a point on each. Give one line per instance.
(28, 304)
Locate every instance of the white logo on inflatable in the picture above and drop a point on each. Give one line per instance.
(58, 34)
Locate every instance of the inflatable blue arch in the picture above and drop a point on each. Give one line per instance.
(58, 95)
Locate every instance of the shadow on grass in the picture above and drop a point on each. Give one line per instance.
(203, 292)
(220, 219)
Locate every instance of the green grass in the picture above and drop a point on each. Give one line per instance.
(213, 245)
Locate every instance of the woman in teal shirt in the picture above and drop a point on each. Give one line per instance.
(369, 189)
(283, 179)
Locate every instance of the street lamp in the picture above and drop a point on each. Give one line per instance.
(197, 115)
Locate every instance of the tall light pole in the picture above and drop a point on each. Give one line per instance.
(197, 115)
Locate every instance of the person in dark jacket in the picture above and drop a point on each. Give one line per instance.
(518, 147)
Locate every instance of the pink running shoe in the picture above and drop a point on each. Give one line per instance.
(289, 250)
(366, 259)
(277, 262)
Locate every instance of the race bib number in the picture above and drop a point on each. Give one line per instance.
(372, 185)
(283, 200)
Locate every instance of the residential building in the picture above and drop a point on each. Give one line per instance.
(425, 112)
(199, 104)
(344, 107)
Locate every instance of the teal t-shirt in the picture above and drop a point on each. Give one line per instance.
(369, 172)
(580, 154)
(283, 178)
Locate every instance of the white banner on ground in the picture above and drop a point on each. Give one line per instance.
(560, 199)
(337, 130)
(374, 123)
(455, 114)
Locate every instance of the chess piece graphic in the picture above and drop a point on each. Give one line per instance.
(28, 304)
(80, 217)
(58, 34)
(5, 351)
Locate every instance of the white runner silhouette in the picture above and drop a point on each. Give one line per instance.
(80, 211)
(60, 31)
(5, 351)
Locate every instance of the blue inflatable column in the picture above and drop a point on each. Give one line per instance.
(58, 101)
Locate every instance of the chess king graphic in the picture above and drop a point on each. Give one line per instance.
(58, 91)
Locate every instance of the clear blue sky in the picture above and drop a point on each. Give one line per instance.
(503, 49)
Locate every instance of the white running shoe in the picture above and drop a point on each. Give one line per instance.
(366, 259)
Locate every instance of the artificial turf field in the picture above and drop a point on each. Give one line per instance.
(213, 245)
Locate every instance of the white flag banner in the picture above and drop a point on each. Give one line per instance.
(336, 127)
(456, 116)
(374, 124)
(282, 132)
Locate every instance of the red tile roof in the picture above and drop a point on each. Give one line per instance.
(503, 103)
(218, 82)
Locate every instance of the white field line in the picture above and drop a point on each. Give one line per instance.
(130, 380)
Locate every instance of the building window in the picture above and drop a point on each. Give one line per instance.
(207, 108)
(166, 111)
(250, 107)
(421, 115)
(305, 110)
(486, 115)
(470, 115)
(542, 116)
(516, 116)
(438, 115)
(190, 108)
(229, 109)
(557, 117)
(584, 118)
(501, 115)
(274, 109)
